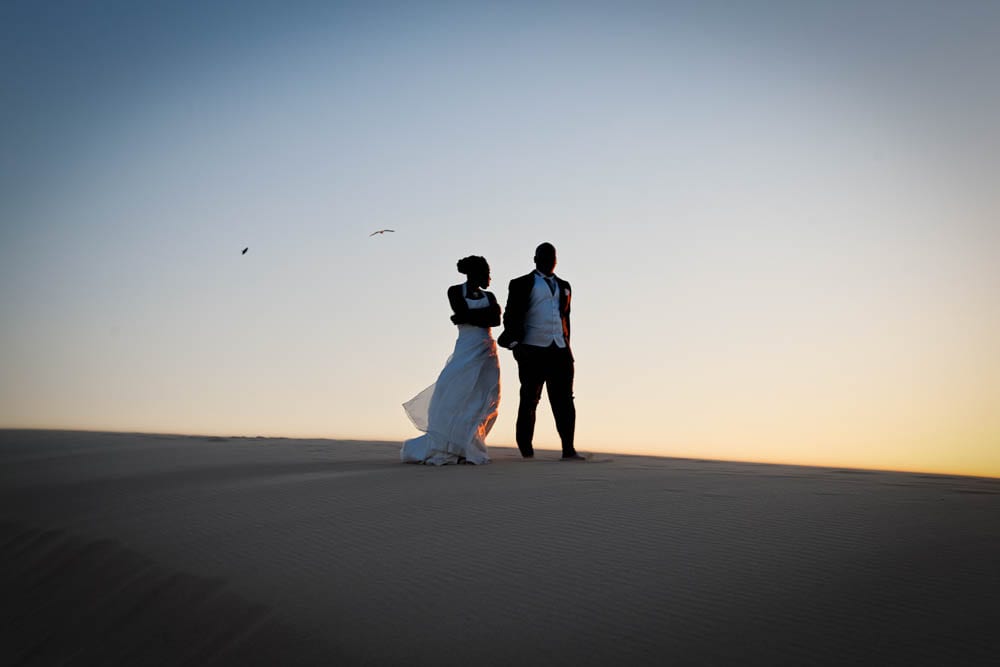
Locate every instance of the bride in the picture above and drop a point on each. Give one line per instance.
(457, 412)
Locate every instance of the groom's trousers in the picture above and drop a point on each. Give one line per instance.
(552, 367)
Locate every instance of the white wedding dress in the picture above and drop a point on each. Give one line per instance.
(457, 412)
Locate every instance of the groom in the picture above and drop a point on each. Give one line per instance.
(536, 330)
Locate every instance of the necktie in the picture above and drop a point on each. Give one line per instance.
(552, 284)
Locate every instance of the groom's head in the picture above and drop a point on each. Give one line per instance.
(545, 258)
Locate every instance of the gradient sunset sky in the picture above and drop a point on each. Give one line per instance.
(781, 220)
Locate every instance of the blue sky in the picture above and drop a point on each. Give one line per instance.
(780, 220)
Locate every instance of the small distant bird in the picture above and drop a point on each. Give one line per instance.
(244, 251)
(380, 231)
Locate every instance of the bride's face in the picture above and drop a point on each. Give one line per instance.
(481, 280)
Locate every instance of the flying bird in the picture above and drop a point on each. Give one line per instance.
(381, 231)
(244, 251)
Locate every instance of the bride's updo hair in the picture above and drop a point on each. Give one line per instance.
(473, 265)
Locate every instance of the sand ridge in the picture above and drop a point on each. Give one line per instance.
(324, 551)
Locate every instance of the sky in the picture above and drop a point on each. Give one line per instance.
(780, 220)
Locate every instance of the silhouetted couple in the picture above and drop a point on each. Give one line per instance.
(457, 412)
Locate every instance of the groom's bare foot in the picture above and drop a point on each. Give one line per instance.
(575, 456)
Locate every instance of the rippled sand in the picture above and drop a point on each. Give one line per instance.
(126, 549)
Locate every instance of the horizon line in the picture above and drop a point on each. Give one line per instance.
(836, 467)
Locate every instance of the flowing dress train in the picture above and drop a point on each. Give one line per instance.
(457, 412)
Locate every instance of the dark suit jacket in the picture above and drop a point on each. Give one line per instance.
(518, 301)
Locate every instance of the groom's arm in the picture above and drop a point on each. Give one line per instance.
(569, 298)
(513, 317)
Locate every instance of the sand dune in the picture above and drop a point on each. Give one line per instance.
(125, 549)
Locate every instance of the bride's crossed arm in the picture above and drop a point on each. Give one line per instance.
(486, 317)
